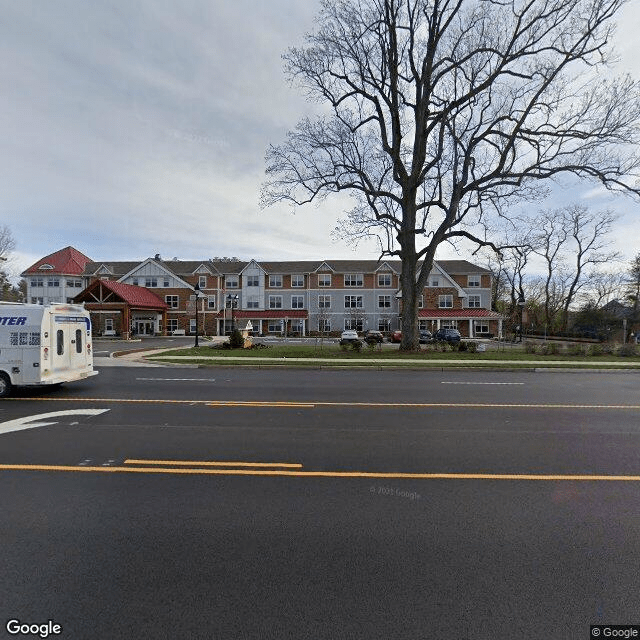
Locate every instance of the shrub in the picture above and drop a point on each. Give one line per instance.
(530, 347)
(595, 350)
(575, 350)
(236, 341)
(627, 350)
(356, 345)
(472, 347)
(462, 345)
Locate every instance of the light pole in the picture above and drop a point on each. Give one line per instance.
(233, 301)
(196, 288)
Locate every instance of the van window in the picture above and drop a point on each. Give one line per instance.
(78, 340)
(60, 340)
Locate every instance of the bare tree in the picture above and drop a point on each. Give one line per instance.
(7, 243)
(441, 113)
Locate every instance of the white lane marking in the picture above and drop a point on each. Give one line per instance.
(179, 379)
(498, 383)
(27, 422)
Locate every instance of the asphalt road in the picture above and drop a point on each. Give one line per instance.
(227, 503)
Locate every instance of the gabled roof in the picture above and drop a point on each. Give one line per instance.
(136, 297)
(162, 268)
(254, 263)
(67, 262)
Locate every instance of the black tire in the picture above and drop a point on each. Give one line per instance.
(5, 385)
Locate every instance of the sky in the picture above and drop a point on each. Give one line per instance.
(129, 129)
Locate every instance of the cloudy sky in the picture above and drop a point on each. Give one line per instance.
(134, 128)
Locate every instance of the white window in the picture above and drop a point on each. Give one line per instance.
(53, 282)
(324, 325)
(165, 282)
(253, 281)
(231, 282)
(384, 302)
(448, 324)
(353, 324)
(275, 281)
(435, 282)
(134, 282)
(172, 325)
(384, 279)
(297, 302)
(353, 279)
(473, 281)
(108, 324)
(297, 281)
(151, 282)
(275, 326)
(253, 302)
(324, 302)
(473, 302)
(192, 325)
(353, 302)
(445, 302)
(384, 324)
(74, 284)
(211, 302)
(481, 326)
(423, 325)
(324, 279)
(37, 282)
(275, 302)
(172, 301)
(202, 282)
(37, 300)
(421, 302)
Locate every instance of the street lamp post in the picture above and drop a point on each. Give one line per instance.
(196, 288)
(233, 301)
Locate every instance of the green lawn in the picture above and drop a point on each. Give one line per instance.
(334, 352)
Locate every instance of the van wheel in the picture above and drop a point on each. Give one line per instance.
(5, 385)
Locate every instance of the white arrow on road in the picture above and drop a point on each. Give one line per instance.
(27, 422)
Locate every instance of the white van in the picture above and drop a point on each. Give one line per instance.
(42, 345)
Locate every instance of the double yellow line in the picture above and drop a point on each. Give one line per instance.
(284, 469)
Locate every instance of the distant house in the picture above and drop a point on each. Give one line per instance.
(294, 297)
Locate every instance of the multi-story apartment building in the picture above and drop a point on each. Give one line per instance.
(157, 296)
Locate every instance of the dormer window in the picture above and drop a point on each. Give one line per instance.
(45, 267)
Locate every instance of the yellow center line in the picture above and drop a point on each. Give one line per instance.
(193, 463)
(327, 474)
(312, 404)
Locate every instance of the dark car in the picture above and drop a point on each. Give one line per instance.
(447, 335)
(373, 336)
(425, 336)
(396, 336)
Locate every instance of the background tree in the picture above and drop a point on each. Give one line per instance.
(443, 112)
(633, 288)
(8, 291)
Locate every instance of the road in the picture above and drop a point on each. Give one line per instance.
(225, 503)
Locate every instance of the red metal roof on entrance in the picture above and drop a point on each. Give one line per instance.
(137, 297)
(457, 313)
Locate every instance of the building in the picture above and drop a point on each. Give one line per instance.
(294, 297)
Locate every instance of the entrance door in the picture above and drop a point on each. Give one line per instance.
(144, 328)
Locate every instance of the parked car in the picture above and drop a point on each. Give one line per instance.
(349, 336)
(447, 335)
(372, 336)
(425, 336)
(396, 336)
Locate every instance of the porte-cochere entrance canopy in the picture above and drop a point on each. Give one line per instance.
(123, 309)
